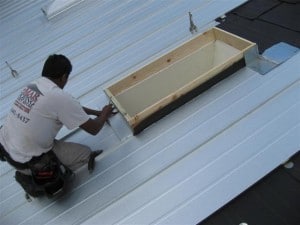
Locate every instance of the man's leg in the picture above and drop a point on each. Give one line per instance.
(72, 155)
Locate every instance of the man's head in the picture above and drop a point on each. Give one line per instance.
(57, 68)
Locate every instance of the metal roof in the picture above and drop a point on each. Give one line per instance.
(182, 168)
(272, 200)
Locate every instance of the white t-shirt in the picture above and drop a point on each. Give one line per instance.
(36, 117)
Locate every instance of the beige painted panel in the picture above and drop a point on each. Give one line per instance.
(149, 91)
(163, 62)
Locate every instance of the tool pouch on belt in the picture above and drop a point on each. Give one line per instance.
(48, 176)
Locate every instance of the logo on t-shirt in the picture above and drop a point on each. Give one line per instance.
(28, 98)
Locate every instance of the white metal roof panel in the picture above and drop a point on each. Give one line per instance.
(140, 164)
(201, 165)
(106, 41)
(180, 169)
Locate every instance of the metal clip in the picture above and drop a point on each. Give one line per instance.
(115, 110)
(193, 27)
(13, 72)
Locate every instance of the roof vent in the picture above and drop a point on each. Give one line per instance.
(56, 7)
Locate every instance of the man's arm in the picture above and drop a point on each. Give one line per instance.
(93, 126)
(92, 111)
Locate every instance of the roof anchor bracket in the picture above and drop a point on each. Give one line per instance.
(13, 72)
(193, 27)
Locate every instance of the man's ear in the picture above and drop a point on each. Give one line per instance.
(65, 76)
(63, 80)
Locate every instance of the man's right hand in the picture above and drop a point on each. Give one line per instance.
(107, 111)
(93, 126)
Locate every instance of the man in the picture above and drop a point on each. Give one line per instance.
(38, 114)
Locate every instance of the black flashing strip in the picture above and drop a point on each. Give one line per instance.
(262, 33)
(255, 8)
(288, 19)
(188, 96)
(290, 1)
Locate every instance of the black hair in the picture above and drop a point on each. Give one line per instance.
(56, 66)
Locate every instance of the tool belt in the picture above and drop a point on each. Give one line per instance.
(48, 175)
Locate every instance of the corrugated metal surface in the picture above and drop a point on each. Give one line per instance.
(180, 169)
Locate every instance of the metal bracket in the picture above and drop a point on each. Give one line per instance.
(257, 62)
(13, 72)
(193, 27)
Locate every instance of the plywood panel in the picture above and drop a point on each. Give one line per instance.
(153, 89)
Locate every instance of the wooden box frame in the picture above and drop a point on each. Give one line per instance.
(158, 88)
